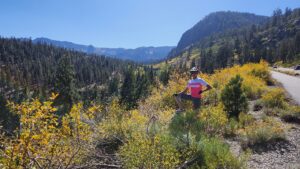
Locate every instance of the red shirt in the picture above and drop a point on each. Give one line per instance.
(195, 86)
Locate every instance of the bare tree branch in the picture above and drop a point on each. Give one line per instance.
(101, 165)
(186, 164)
(72, 157)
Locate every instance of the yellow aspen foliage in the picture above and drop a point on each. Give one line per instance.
(274, 98)
(254, 75)
(154, 152)
(41, 142)
(214, 119)
(120, 123)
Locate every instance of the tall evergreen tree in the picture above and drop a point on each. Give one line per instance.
(164, 74)
(113, 86)
(128, 97)
(223, 56)
(65, 84)
(193, 63)
(234, 97)
(8, 120)
(297, 42)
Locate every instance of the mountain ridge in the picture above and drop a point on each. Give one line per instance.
(276, 40)
(215, 22)
(141, 54)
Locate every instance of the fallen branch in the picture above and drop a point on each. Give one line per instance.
(186, 164)
(102, 165)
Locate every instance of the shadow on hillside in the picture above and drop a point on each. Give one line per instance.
(280, 146)
(291, 119)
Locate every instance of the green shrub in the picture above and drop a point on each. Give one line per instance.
(234, 126)
(185, 125)
(234, 97)
(245, 120)
(231, 127)
(215, 154)
(275, 111)
(263, 131)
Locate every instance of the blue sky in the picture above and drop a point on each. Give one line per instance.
(118, 23)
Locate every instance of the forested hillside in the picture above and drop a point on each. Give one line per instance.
(36, 70)
(276, 40)
(36, 64)
(215, 23)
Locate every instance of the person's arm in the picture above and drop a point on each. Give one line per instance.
(208, 87)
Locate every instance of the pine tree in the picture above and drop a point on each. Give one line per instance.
(193, 63)
(223, 56)
(128, 97)
(151, 74)
(143, 85)
(234, 97)
(65, 84)
(9, 121)
(276, 17)
(203, 60)
(113, 86)
(164, 75)
(185, 126)
(237, 46)
(297, 42)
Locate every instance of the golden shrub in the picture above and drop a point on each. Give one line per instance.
(274, 98)
(42, 142)
(120, 123)
(254, 83)
(214, 119)
(142, 151)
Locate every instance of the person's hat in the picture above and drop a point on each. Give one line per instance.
(194, 70)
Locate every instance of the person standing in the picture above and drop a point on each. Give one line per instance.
(196, 86)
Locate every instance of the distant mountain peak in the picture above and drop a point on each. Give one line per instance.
(214, 23)
(140, 54)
